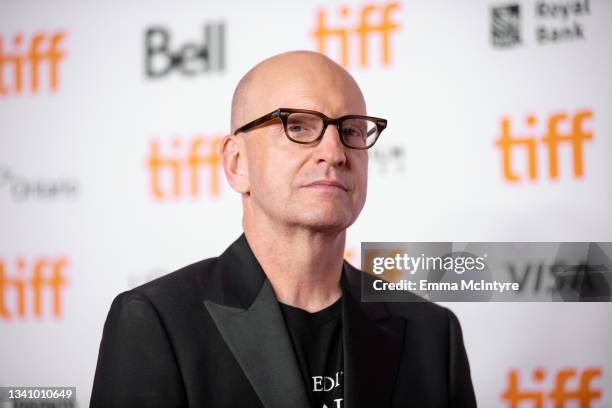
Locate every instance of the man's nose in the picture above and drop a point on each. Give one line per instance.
(330, 149)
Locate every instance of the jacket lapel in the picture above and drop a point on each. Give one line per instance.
(258, 339)
(255, 332)
(251, 323)
(372, 347)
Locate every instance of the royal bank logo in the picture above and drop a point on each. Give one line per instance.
(561, 21)
(554, 22)
(506, 26)
(163, 55)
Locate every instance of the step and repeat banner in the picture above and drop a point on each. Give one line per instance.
(111, 115)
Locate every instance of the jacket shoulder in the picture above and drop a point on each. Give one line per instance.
(192, 281)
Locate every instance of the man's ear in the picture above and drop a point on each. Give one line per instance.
(234, 160)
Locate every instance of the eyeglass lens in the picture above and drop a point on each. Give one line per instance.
(306, 127)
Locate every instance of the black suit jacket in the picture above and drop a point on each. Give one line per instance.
(212, 335)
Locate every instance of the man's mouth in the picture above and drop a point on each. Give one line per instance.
(331, 184)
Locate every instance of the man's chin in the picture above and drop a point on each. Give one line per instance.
(328, 223)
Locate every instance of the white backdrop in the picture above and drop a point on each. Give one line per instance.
(84, 196)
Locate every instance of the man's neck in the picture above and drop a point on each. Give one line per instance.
(303, 266)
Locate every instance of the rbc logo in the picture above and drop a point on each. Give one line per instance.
(192, 58)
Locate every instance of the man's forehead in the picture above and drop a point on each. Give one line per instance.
(301, 79)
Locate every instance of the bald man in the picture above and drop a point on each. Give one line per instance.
(276, 321)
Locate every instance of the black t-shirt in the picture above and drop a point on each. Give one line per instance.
(317, 341)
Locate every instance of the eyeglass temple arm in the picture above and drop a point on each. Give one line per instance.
(258, 122)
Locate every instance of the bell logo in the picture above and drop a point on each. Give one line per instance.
(363, 32)
(22, 293)
(17, 59)
(561, 395)
(575, 137)
(189, 59)
(176, 173)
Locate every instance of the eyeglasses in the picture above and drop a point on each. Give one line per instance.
(307, 126)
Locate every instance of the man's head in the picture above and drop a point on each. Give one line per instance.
(318, 186)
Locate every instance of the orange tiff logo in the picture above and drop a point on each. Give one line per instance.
(581, 395)
(574, 136)
(176, 173)
(362, 33)
(18, 60)
(22, 293)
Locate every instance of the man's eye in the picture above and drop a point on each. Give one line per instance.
(297, 127)
(348, 132)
